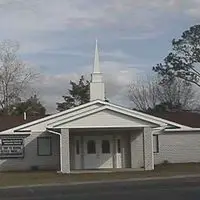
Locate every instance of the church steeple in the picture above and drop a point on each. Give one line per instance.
(97, 90)
(96, 59)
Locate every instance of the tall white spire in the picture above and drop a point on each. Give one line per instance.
(97, 90)
(96, 59)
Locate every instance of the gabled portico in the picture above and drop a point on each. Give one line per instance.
(106, 148)
(105, 138)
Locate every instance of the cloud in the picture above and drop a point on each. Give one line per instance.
(190, 8)
(51, 88)
(142, 36)
(194, 11)
(31, 22)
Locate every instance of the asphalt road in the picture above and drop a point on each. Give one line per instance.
(179, 189)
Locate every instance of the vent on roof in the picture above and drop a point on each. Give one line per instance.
(25, 116)
(172, 127)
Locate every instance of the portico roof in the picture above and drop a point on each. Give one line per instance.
(90, 111)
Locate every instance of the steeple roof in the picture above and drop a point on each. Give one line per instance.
(96, 60)
(97, 88)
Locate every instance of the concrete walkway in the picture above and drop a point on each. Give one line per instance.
(85, 171)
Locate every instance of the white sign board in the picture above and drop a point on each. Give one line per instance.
(11, 148)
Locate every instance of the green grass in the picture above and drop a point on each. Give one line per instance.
(48, 177)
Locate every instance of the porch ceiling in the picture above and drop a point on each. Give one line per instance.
(104, 129)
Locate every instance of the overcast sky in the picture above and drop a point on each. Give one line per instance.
(57, 37)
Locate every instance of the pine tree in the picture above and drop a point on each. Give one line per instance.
(77, 95)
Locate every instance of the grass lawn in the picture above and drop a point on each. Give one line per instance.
(46, 177)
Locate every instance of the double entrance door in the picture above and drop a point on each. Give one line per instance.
(98, 152)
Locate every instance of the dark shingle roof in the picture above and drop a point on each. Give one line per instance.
(186, 118)
(7, 122)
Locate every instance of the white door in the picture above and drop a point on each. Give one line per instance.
(98, 152)
(91, 154)
(77, 152)
(118, 152)
(106, 149)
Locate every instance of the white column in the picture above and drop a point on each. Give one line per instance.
(148, 149)
(123, 153)
(114, 151)
(137, 149)
(64, 151)
(82, 152)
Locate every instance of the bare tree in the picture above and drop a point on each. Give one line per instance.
(143, 94)
(149, 93)
(15, 76)
(177, 93)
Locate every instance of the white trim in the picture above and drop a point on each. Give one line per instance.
(15, 133)
(147, 115)
(54, 132)
(61, 152)
(116, 108)
(66, 120)
(160, 128)
(183, 130)
(53, 116)
(84, 127)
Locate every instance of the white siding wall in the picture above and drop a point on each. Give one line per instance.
(178, 148)
(107, 118)
(31, 158)
(173, 147)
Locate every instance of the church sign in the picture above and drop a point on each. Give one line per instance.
(11, 148)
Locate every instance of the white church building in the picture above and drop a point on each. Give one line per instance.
(97, 135)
